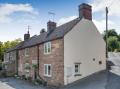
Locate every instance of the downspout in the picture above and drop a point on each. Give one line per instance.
(38, 58)
(17, 58)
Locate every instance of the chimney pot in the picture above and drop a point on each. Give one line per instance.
(26, 36)
(51, 26)
(42, 31)
(85, 11)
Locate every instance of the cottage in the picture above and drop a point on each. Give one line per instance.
(66, 53)
(11, 60)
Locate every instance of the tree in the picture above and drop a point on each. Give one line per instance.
(113, 43)
(119, 37)
(111, 32)
(6, 45)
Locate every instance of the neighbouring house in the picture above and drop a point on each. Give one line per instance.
(66, 53)
(11, 60)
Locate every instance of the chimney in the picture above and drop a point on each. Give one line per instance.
(51, 26)
(85, 11)
(42, 31)
(26, 36)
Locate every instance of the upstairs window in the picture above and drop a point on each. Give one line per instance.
(26, 51)
(47, 48)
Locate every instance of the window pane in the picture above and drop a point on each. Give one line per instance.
(48, 50)
(77, 68)
(45, 69)
(49, 46)
(49, 70)
(45, 48)
(27, 51)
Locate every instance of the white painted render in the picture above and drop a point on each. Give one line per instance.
(81, 45)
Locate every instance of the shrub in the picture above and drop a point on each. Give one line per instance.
(3, 73)
(39, 82)
(17, 76)
(23, 77)
(0, 65)
(35, 66)
(27, 66)
(28, 78)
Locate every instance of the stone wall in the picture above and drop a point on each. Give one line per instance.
(56, 59)
(10, 63)
(31, 58)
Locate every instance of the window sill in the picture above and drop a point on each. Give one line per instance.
(49, 76)
(26, 55)
(47, 53)
(77, 75)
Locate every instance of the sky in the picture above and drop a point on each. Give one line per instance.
(17, 15)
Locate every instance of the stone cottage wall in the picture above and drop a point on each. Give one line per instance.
(56, 59)
(30, 59)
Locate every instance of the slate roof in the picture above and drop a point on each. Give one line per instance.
(57, 33)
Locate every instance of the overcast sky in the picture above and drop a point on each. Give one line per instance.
(16, 15)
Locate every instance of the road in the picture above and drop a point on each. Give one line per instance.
(12, 83)
(96, 81)
(113, 77)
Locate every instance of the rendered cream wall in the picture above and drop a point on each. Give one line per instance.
(81, 45)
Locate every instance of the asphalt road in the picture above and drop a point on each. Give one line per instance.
(100, 80)
(96, 81)
(12, 83)
(113, 77)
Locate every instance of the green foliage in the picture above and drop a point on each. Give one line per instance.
(119, 37)
(113, 43)
(113, 40)
(27, 66)
(4, 46)
(111, 32)
(35, 66)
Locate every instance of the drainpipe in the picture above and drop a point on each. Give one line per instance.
(38, 58)
(16, 62)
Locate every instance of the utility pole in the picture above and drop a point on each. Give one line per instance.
(107, 47)
(0, 51)
(106, 32)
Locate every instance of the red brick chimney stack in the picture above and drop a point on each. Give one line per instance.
(85, 11)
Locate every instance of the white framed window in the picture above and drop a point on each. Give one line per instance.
(47, 48)
(77, 68)
(26, 51)
(47, 70)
